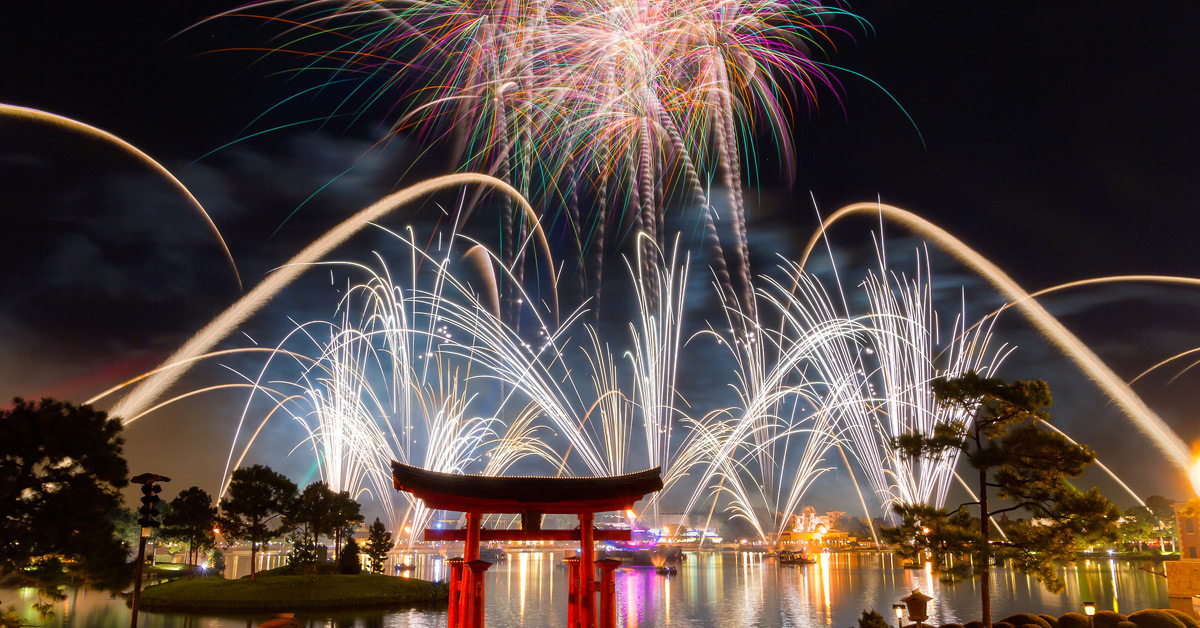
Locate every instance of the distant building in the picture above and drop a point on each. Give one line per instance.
(1183, 577)
(807, 529)
(1189, 534)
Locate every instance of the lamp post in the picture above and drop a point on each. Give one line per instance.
(917, 604)
(1089, 609)
(899, 610)
(148, 520)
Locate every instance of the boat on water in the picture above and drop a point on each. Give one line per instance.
(788, 557)
(666, 570)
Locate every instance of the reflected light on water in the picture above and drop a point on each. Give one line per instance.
(523, 570)
(635, 600)
(667, 599)
(929, 579)
(1113, 570)
(823, 563)
(710, 591)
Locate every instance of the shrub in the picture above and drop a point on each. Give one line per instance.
(348, 561)
(1021, 619)
(1073, 620)
(1108, 619)
(1187, 620)
(217, 562)
(871, 619)
(1154, 618)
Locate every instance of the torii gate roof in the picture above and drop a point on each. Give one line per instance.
(518, 494)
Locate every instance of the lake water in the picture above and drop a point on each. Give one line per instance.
(711, 590)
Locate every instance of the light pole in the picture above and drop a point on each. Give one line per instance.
(899, 610)
(148, 520)
(1089, 609)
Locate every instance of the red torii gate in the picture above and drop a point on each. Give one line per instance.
(531, 497)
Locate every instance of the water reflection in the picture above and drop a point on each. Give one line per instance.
(710, 590)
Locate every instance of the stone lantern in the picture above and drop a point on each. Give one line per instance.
(918, 606)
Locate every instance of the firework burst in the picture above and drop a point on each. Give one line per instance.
(596, 102)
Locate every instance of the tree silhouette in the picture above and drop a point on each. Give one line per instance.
(348, 561)
(256, 496)
(61, 471)
(379, 542)
(310, 518)
(191, 521)
(1025, 466)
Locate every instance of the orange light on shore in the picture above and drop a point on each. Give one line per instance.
(1194, 475)
(633, 515)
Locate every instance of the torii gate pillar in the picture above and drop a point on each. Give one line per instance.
(572, 591)
(475, 597)
(608, 592)
(456, 581)
(587, 571)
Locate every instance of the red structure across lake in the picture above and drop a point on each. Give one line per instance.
(531, 497)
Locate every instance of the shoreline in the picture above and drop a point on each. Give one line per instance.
(291, 593)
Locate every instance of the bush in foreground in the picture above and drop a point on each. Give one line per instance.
(1149, 618)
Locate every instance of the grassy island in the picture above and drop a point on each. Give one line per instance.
(284, 593)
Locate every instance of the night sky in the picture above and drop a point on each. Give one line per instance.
(1061, 140)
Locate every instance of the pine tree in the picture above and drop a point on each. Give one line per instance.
(1021, 464)
(379, 541)
(343, 515)
(61, 475)
(191, 521)
(257, 495)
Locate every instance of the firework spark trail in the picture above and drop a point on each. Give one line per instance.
(899, 335)
(1154, 279)
(905, 343)
(75, 126)
(503, 355)
(657, 343)
(400, 336)
(760, 400)
(428, 344)
(837, 366)
(220, 327)
(1144, 418)
(615, 408)
(337, 405)
(766, 464)
(1102, 466)
(452, 441)
(747, 477)
(536, 86)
